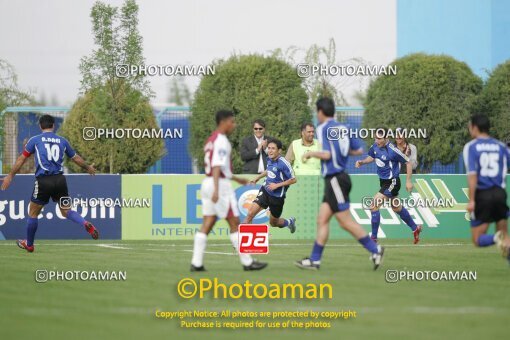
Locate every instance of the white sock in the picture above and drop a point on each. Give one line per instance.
(246, 259)
(198, 249)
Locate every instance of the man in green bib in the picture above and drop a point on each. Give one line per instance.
(299, 147)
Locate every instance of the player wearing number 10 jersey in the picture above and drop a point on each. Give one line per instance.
(487, 161)
(49, 149)
(218, 197)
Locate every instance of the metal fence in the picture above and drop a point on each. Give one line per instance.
(353, 117)
(177, 159)
(18, 124)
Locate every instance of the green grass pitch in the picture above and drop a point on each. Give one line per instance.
(125, 310)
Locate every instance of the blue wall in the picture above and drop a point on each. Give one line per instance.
(28, 126)
(473, 31)
(177, 159)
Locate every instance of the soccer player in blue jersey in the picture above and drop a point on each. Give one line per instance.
(487, 162)
(336, 148)
(279, 176)
(388, 158)
(49, 149)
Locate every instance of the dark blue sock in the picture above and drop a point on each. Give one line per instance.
(31, 229)
(285, 222)
(376, 220)
(485, 240)
(75, 217)
(369, 245)
(404, 215)
(316, 252)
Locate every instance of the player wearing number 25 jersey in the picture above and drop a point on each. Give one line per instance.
(487, 161)
(49, 149)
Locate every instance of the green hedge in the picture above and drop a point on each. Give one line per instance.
(432, 92)
(253, 86)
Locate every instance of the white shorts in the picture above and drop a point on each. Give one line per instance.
(226, 205)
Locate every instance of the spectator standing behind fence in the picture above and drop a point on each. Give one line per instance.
(407, 148)
(254, 149)
(299, 147)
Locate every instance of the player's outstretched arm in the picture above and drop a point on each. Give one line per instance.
(216, 172)
(322, 155)
(274, 186)
(472, 180)
(256, 179)
(409, 174)
(290, 181)
(357, 152)
(367, 160)
(81, 163)
(240, 180)
(15, 168)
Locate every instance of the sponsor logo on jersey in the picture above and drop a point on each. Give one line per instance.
(379, 162)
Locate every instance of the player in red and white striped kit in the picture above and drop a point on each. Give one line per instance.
(218, 197)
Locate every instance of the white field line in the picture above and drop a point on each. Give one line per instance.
(103, 245)
(213, 252)
(354, 245)
(191, 250)
(111, 246)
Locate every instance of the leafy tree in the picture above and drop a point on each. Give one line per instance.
(10, 95)
(126, 155)
(118, 44)
(320, 84)
(253, 87)
(432, 92)
(10, 92)
(495, 101)
(112, 101)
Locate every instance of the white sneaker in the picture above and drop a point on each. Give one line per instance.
(378, 257)
(499, 239)
(306, 263)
